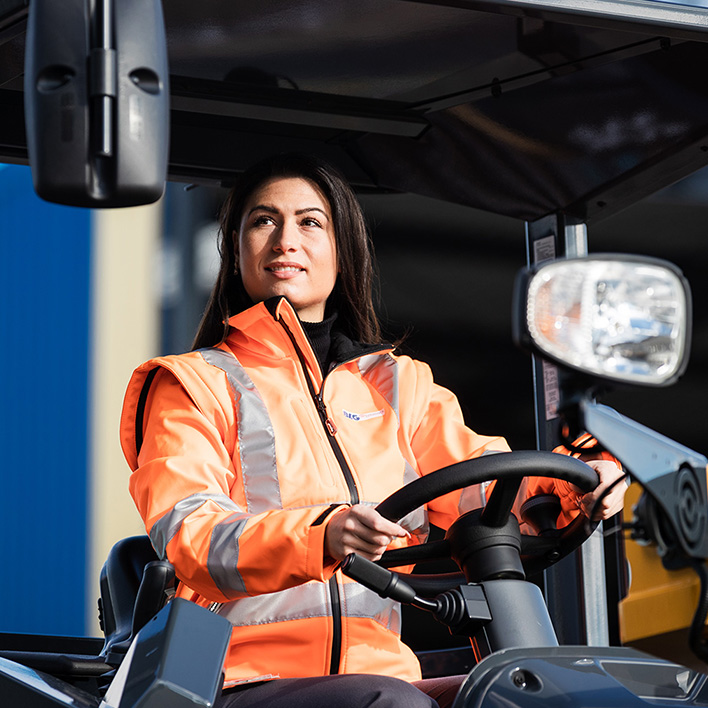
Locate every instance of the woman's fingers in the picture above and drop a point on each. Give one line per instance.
(604, 505)
(360, 529)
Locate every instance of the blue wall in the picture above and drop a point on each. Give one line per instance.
(44, 377)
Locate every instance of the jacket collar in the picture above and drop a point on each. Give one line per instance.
(279, 311)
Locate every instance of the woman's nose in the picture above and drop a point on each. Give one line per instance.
(286, 237)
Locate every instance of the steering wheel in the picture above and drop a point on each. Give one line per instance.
(508, 468)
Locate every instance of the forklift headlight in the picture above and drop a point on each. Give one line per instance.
(623, 318)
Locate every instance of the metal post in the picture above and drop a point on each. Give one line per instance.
(575, 588)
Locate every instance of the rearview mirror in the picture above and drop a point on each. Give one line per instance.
(614, 317)
(97, 101)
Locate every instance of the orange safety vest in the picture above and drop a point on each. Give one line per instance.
(241, 452)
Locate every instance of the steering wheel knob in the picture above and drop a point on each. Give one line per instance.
(541, 513)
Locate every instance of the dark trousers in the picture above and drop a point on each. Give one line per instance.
(343, 691)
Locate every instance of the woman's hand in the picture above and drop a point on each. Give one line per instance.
(360, 529)
(608, 473)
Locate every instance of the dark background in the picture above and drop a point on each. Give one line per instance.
(447, 275)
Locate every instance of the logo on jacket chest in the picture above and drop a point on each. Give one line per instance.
(358, 417)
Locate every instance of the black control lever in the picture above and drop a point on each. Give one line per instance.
(382, 581)
(464, 610)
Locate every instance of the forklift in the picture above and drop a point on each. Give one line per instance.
(553, 113)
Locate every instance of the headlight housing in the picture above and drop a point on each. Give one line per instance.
(621, 318)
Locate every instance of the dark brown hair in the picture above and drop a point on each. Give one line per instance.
(352, 296)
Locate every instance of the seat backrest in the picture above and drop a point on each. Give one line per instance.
(134, 584)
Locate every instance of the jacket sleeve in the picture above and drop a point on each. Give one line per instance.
(439, 437)
(183, 484)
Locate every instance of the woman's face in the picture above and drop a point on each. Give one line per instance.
(286, 245)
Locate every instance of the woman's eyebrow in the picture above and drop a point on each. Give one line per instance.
(308, 209)
(263, 207)
(274, 210)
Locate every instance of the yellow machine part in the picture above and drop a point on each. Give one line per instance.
(659, 601)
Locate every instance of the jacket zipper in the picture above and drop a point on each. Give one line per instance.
(331, 430)
(327, 422)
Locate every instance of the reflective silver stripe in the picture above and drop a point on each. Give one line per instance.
(299, 602)
(381, 371)
(417, 520)
(222, 562)
(409, 473)
(358, 601)
(417, 523)
(312, 600)
(256, 438)
(472, 498)
(164, 530)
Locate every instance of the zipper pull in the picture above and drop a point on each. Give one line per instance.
(329, 423)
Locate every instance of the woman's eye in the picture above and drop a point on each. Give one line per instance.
(263, 220)
(309, 221)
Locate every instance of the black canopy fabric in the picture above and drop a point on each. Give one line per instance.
(515, 107)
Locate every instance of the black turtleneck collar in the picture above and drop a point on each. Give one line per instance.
(320, 336)
(328, 342)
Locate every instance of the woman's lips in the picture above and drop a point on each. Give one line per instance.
(284, 270)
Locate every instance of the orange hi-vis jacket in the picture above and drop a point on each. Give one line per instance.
(241, 455)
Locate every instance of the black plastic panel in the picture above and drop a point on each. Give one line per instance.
(96, 101)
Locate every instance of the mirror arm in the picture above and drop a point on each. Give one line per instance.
(673, 476)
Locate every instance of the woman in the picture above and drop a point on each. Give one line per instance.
(259, 456)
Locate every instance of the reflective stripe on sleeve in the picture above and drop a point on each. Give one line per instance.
(256, 437)
(167, 527)
(472, 498)
(381, 371)
(312, 600)
(417, 520)
(223, 555)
